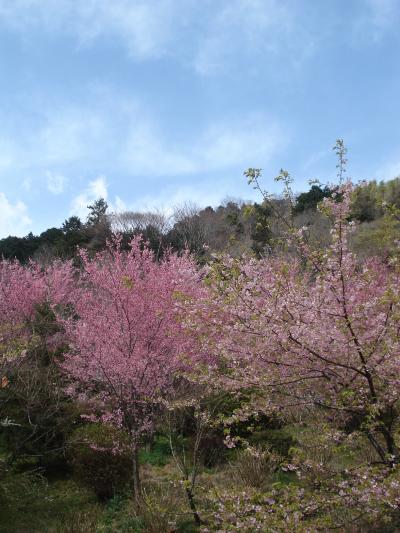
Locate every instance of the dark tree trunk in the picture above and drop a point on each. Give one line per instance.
(192, 505)
(136, 474)
(391, 447)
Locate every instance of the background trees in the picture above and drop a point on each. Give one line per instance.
(234, 226)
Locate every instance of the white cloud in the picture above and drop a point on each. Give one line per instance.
(61, 135)
(55, 182)
(144, 27)
(167, 199)
(270, 30)
(376, 19)
(95, 190)
(14, 219)
(147, 153)
(207, 35)
(249, 141)
(119, 206)
(67, 135)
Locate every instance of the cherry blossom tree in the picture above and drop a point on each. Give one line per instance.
(24, 288)
(31, 392)
(319, 331)
(127, 338)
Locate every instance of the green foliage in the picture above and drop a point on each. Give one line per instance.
(31, 504)
(118, 516)
(311, 199)
(54, 242)
(33, 399)
(14, 484)
(97, 211)
(21, 248)
(261, 233)
(158, 453)
(100, 459)
(280, 440)
(257, 467)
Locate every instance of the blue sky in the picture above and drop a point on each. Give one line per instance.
(151, 103)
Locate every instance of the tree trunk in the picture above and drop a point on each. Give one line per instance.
(192, 505)
(136, 473)
(392, 449)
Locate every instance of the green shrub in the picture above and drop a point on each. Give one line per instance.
(158, 453)
(256, 467)
(278, 440)
(29, 503)
(100, 459)
(19, 491)
(118, 516)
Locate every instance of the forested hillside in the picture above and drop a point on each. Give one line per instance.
(234, 227)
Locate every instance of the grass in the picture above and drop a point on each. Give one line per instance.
(62, 506)
(158, 454)
(35, 505)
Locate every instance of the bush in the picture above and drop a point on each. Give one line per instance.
(158, 453)
(256, 467)
(19, 491)
(100, 459)
(278, 440)
(29, 503)
(161, 510)
(213, 451)
(119, 516)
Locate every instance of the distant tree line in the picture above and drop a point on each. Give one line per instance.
(234, 226)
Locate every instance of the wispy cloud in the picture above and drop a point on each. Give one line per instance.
(61, 135)
(66, 135)
(242, 142)
(14, 218)
(269, 30)
(96, 189)
(55, 182)
(7, 153)
(145, 152)
(250, 140)
(208, 35)
(143, 27)
(27, 184)
(168, 198)
(78, 139)
(377, 19)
